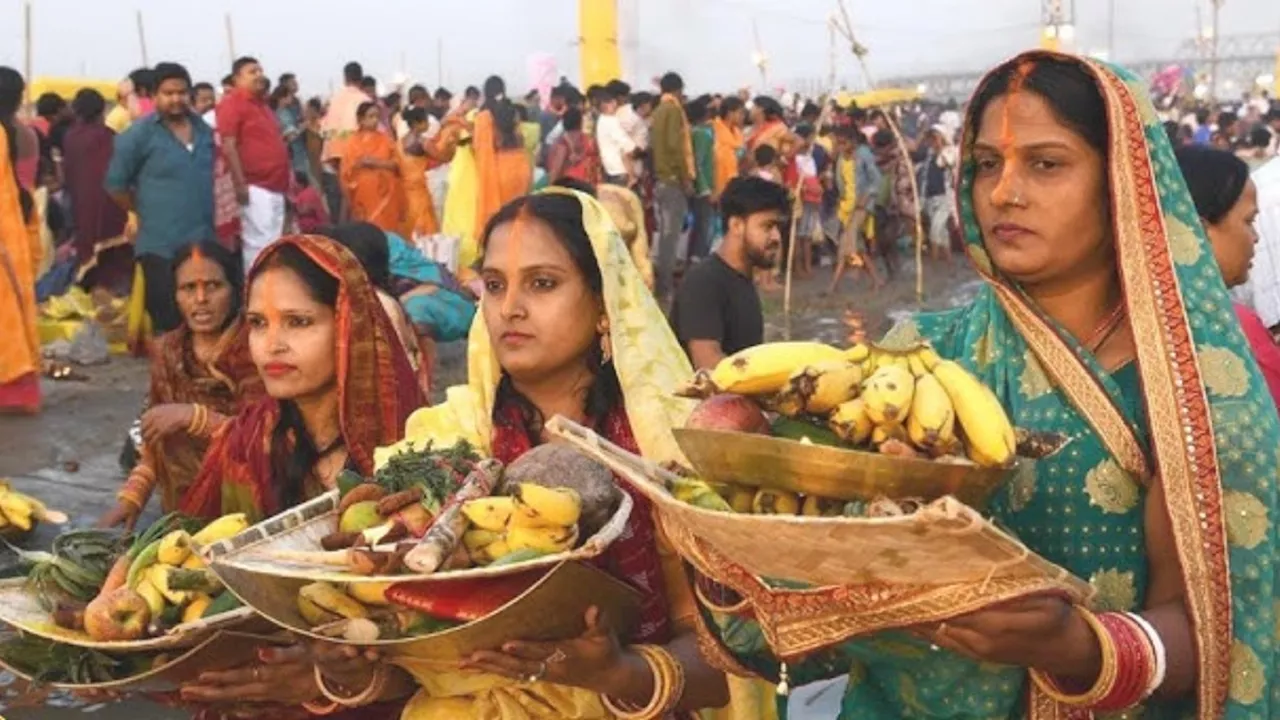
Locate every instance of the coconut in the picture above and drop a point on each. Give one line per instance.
(554, 465)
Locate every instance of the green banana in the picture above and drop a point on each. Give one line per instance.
(143, 560)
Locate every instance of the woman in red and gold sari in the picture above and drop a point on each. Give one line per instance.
(768, 128)
(502, 164)
(20, 253)
(371, 177)
(201, 377)
(339, 385)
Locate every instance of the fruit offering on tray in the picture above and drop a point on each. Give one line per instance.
(20, 512)
(122, 589)
(908, 403)
(546, 503)
(363, 613)
(47, 661)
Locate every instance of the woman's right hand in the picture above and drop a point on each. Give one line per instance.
(164, 420)
(345, 665)
(125, 514)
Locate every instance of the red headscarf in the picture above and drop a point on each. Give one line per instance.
(377, 390)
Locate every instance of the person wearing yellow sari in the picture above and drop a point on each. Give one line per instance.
(20, 253)
(371, 178)
(567, 328)
(503, 172)
(460, 201)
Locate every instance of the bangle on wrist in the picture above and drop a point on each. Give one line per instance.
(1134, 662)
(668, 687)
(317, 708)
(376, 685)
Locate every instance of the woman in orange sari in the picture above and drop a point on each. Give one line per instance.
(502, 165)
(728, 144)
(20, 253)
(371, 177)
(420, 154)
(201, 376)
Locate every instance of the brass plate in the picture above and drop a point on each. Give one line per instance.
(830, 472)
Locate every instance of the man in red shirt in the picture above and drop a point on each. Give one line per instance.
(256, 155)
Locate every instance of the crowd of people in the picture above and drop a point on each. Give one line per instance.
(285, 253)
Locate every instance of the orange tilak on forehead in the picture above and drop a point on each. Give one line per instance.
(270, 304)
(1008, 143)
(512, 271)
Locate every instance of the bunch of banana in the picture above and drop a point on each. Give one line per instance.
(321, 603)
(531, 522)
(774, 501)
(21, 511)
(762, 371)
(170, 574)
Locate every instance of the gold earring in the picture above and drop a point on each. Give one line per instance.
(606, 345)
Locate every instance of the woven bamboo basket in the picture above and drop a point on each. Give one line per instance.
(20, 609)
(552, 608)
(301, 528)
(812, 582)
(221, 651)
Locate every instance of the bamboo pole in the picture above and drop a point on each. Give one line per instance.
(142, 38)
(231, 38)
(796, 208)
(26, 48)
(859, 53)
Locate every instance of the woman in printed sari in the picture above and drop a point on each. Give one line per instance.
(1103, 316)
(201, 377)
(102, 248)
(371, 178)
(768, 128)
(503, 172)
(20, 253)
(339, 385)
(566, 328)
(1226, 200)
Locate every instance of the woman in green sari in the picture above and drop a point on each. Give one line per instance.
(1103, 316)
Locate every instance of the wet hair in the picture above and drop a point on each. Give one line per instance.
(746, 196)
(729, 105)
(765, 155)
(242, 63)
(413, 115)
(50, 104)
(230, 264)
(88, 104)
(572, 119)
(166, 71)
(671, 83)
(563, 214)
(574, 183)
(11, 88)
(504, 113)
(1216, 179)
(291, 465)
(363, 108)
(1068, 88)
(352, 73)
(369, 244)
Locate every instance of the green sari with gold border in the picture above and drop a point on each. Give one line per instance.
(1192, 413)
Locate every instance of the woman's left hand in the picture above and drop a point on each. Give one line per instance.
(592, 660)
(1042, 631)
(285, 676)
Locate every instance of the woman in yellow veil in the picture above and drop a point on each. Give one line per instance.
(568, 328)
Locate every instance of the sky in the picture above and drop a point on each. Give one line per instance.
(710, 42)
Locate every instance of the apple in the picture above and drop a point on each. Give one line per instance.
(122, 614)
(360, 517)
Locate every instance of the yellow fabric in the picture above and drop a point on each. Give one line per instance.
(599, 52)
(118, 118)
(649, 363)
(627, 212)
(460, 204)
(20, 256)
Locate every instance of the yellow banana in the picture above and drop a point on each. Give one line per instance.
(857, 353)
(815, 506)
(887, 358)
(195, 609)
(17, 509)
(884, 433)
(374, 593)
(765, 369)
(194, 562)
(175, 548)
(543, 507)
(313, 613)
(489, 553)
(154, 598)
(224, 527)
(158, 576)
(888, 394)
(931, 423)
(542, 539)
(851, 423)
(489, 513)
(473, 540)
(775, 502)
(916, 365)
(821, 387)
(741, 498)
(986, 425)
(327, 597)
(699, 494)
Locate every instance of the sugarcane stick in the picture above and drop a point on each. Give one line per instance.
(446, 530)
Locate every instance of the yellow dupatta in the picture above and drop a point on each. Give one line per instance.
(649, 364)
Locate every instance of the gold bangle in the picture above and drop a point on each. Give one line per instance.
(369, 694)
(199, 420)
(668, 686)
(1106, 676)
(316, 708)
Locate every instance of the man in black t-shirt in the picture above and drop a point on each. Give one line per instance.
(717, 309)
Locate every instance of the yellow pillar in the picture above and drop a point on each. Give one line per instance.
(598, 41)
(1049, 38)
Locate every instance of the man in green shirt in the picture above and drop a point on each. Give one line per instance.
(673, 171)
(704, 162)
